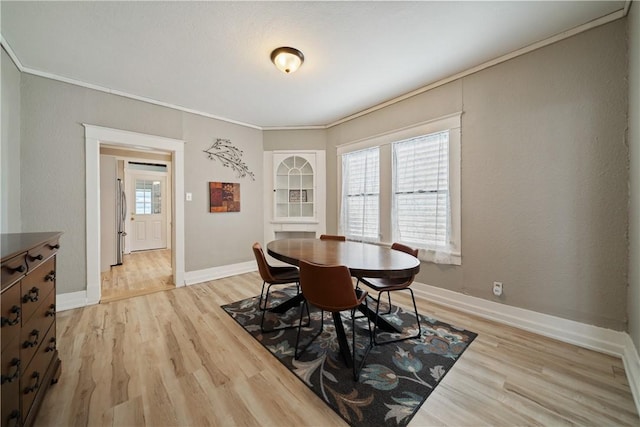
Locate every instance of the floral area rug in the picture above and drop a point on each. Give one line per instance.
(396, 379)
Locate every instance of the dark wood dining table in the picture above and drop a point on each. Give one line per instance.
(362, 259)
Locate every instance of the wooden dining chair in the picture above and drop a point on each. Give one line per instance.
(273, 276)
(390, 285)
(330, 289)
(333, 237)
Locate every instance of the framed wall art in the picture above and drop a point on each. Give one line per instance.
(224, 197)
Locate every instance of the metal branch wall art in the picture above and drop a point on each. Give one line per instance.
(229, 156)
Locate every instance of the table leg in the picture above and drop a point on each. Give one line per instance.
(342, 339)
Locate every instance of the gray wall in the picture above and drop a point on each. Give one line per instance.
(313, 139)
(544, 177)
(53, 172)
(10, 154)
(215, 239)
(633, 298)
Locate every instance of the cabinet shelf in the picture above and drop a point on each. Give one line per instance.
(294, 182)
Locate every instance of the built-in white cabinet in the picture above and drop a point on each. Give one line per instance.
(294, 178)
(295, 193)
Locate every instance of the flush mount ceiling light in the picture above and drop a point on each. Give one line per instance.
(287, 59)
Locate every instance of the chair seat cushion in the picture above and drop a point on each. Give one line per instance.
(285, 274)
(386, 284)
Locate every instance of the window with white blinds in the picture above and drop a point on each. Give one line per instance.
(421, 214)
(360, 208)
(404, 186)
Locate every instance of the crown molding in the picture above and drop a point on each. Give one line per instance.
(621, 13)
(75, 82)
(553, 39)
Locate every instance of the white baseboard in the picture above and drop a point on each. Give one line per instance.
(632, 368)
(607, 341)
(71, 300)
(588, 336)
(199, 276)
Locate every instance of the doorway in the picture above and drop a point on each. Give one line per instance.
(95, 137)
(134, 220)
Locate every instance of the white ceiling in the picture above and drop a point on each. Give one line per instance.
(213, 57)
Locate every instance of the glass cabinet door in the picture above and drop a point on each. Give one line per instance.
(294, 187)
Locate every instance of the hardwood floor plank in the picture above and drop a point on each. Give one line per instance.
(129, 413)
(176, 358)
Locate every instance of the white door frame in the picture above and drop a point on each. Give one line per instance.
(94, 136)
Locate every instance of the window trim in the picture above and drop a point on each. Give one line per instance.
(452, 123)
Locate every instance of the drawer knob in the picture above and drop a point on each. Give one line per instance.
(15, 363)
(32, 295)
(38, 257)
(56, 246)
(18, 269)
(33, 339)
(35, 384)
(15, 310)
(50, 277)
(51, 311)
(14, 418)
(51, 346)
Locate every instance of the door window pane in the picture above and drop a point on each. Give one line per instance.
(148, 197)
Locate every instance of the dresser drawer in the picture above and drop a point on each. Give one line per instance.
(35, 329)
(13, 269)
(11, 313)
(10, 367)
(36, 285)
(11, 404)
(34, 375)
(38, 255)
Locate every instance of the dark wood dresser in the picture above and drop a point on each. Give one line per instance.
(30, 362)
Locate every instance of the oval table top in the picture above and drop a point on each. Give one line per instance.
(363, 259)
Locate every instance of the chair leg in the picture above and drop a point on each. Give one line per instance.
(264, 310)
(297, 353)
(389, 300)
(262, 293)
(375, 325)
(353, 310)
(357, 368)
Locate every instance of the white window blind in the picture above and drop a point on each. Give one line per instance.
(360, 217)
(421, 202)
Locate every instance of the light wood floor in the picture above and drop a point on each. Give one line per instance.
(141, 273)
(176, 358)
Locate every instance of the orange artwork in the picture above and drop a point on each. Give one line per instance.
(224, 197)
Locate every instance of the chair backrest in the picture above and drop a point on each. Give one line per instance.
(405, 248)
(328, 287)
(410, 251)
(333, 237)
(263, 266)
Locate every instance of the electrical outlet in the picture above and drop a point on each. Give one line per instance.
(497, 288)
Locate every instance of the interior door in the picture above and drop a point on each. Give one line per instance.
(148, 213)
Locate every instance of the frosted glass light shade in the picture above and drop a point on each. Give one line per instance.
(287, 59)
